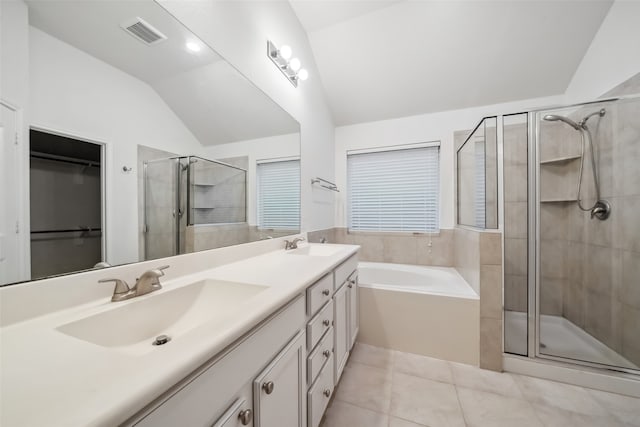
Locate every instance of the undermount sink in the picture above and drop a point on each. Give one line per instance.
(317, 250)
(169, 313)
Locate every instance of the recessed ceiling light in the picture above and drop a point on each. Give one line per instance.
(194, 46)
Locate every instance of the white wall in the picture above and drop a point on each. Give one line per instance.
(256, 149)
(414, 129)
(14, 90)
(238, 30)
(614, 54)
(76, 94)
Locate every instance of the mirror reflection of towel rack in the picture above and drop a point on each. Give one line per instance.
(81, 229)
(325, 184)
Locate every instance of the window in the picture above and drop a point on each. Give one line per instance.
(279, 195)
(394, 190)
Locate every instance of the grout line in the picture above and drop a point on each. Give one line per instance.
(464, 417)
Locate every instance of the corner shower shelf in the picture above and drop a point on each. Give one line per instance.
(559, 160)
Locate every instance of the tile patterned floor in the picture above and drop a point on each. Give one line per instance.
(385, 388)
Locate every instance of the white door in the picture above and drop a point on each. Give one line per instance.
(9, 197)
(279, 390)
(354, 315)
(341, 330)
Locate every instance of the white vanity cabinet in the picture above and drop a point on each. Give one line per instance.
(346, 321)
(279, 389)
(280, 374)
(240, 414)
(209, 396)
(354, 307)
(341, 326)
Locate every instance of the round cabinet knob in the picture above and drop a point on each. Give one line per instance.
(325, 292)
(327, 392)
(268, 387)
(326, 322)
(350, 285)
(326, 353)
(245, 416)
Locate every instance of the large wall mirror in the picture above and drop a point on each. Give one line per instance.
(137, 141)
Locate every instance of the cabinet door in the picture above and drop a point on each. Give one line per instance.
(354, 314)
(341, 330)
(279, 390)
(240, 413)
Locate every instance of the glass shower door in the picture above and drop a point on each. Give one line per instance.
(161, 201)
(588, 292)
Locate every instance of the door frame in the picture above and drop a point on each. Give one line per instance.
(103, 175)
(22, 190)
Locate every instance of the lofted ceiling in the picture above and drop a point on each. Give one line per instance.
(385, 59)
(210, 96)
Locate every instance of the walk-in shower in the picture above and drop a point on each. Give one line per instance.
(181, 193)
(569, 206)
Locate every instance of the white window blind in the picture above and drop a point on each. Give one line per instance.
(394, 190)
(279, 195)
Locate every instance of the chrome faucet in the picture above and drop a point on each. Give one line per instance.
(147, 283)
(292, 244)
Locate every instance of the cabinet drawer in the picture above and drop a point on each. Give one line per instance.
(319, 395)
(319, 357)
(319, 293)
(344, 270)
(319, 325)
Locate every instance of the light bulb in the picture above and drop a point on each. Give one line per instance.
(303, 74)
(295, 64)
(193, 46)
(285, 52)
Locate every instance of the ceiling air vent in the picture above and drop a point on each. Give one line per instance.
(143, 31)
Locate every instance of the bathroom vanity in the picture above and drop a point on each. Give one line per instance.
(260, 341)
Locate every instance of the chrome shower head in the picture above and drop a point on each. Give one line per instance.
(555, 118)
(600, 113)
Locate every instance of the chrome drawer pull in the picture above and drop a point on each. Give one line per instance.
(326, 353)
(326, 322)
(327, 392)
(268, 387)
(245, 416)
(325, 292)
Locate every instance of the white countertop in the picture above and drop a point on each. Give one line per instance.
(49, 378)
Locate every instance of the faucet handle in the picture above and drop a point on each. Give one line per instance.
(121, 287)
(157, 273)
(160, 270)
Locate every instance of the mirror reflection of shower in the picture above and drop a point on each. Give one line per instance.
(600, 209)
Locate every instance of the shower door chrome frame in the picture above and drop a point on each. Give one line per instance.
(533, 269)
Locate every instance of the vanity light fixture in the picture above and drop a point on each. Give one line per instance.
(289, 67)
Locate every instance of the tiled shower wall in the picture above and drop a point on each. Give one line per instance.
(419, 249)
(589, 268)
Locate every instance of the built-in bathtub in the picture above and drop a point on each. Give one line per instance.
(424, 310)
